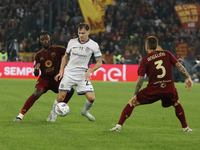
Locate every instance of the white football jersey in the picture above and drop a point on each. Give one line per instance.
(80, 57)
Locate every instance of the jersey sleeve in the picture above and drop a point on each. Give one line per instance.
(69, 46)
(36, 59)
(142, 68)
(97, 51)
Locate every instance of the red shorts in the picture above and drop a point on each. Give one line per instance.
(167, 98)
(47, 84)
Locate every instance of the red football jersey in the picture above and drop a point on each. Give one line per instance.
(50, 60)
(158, 67)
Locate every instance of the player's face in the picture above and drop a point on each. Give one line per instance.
(45, 41)
(83, 35)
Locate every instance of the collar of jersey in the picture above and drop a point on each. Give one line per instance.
(83, 43)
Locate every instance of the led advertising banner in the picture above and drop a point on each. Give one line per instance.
(108, 72)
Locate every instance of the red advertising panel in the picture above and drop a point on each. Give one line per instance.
(108, 72)
(23, 70)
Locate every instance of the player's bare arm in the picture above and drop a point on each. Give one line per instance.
(181, 68)
(133, 101)
(95, 67)
(138, 85)
(62, 66)
(36, 69)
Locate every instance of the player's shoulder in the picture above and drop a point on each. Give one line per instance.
(39, 52)
(73, 40)
(92, 41)
(165, 51)
(58, 46)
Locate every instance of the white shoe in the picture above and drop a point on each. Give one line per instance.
(116, 128)
(52, 117)
(17, 119)
(187, 129)
(89, 116)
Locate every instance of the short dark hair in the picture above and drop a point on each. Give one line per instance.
(42, 33)
(84, 25)
(152, 42)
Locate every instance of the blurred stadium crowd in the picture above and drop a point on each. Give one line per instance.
(126, 19)
(128, 23)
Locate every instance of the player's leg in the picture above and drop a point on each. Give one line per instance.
(29, 103)
(170, 99)
(41, 87)
(126, 113)
(65, 87)
(88, 104)
(69, 95)
(85, 87)
(60, 98)
(180, 114)
(55, 86)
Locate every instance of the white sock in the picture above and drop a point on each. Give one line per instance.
(87, 106)
(20, 116)
(54, 105)
(118, 125)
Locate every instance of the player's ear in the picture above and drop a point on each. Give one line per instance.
(38, 40)
(146, 46)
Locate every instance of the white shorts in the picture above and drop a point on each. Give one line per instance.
(82, 86)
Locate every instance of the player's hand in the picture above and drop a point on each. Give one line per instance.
(37, 67)
(87, 76)
(132, 101)
(188, 83)
(58, 77)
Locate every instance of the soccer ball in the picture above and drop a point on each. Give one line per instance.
(62, 109)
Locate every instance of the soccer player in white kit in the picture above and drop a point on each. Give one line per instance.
(77, 73)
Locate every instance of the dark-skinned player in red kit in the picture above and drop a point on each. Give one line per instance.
(47, 62)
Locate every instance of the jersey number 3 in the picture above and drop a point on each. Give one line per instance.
(159, 66)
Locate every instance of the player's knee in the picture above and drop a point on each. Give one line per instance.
(91, 99)
(61, 97)
(176, 103)
(135, 103)
(90, 96)
(38, 92)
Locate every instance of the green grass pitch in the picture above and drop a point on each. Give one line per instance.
(150, 127)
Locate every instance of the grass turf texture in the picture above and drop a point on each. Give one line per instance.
(150, 127)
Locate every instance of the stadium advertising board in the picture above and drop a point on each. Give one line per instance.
(108, 72)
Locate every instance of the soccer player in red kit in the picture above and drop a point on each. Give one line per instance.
(47, 61)
(157, 65)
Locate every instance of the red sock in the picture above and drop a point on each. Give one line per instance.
(28, 104)
(181, 115)
(125, 114)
